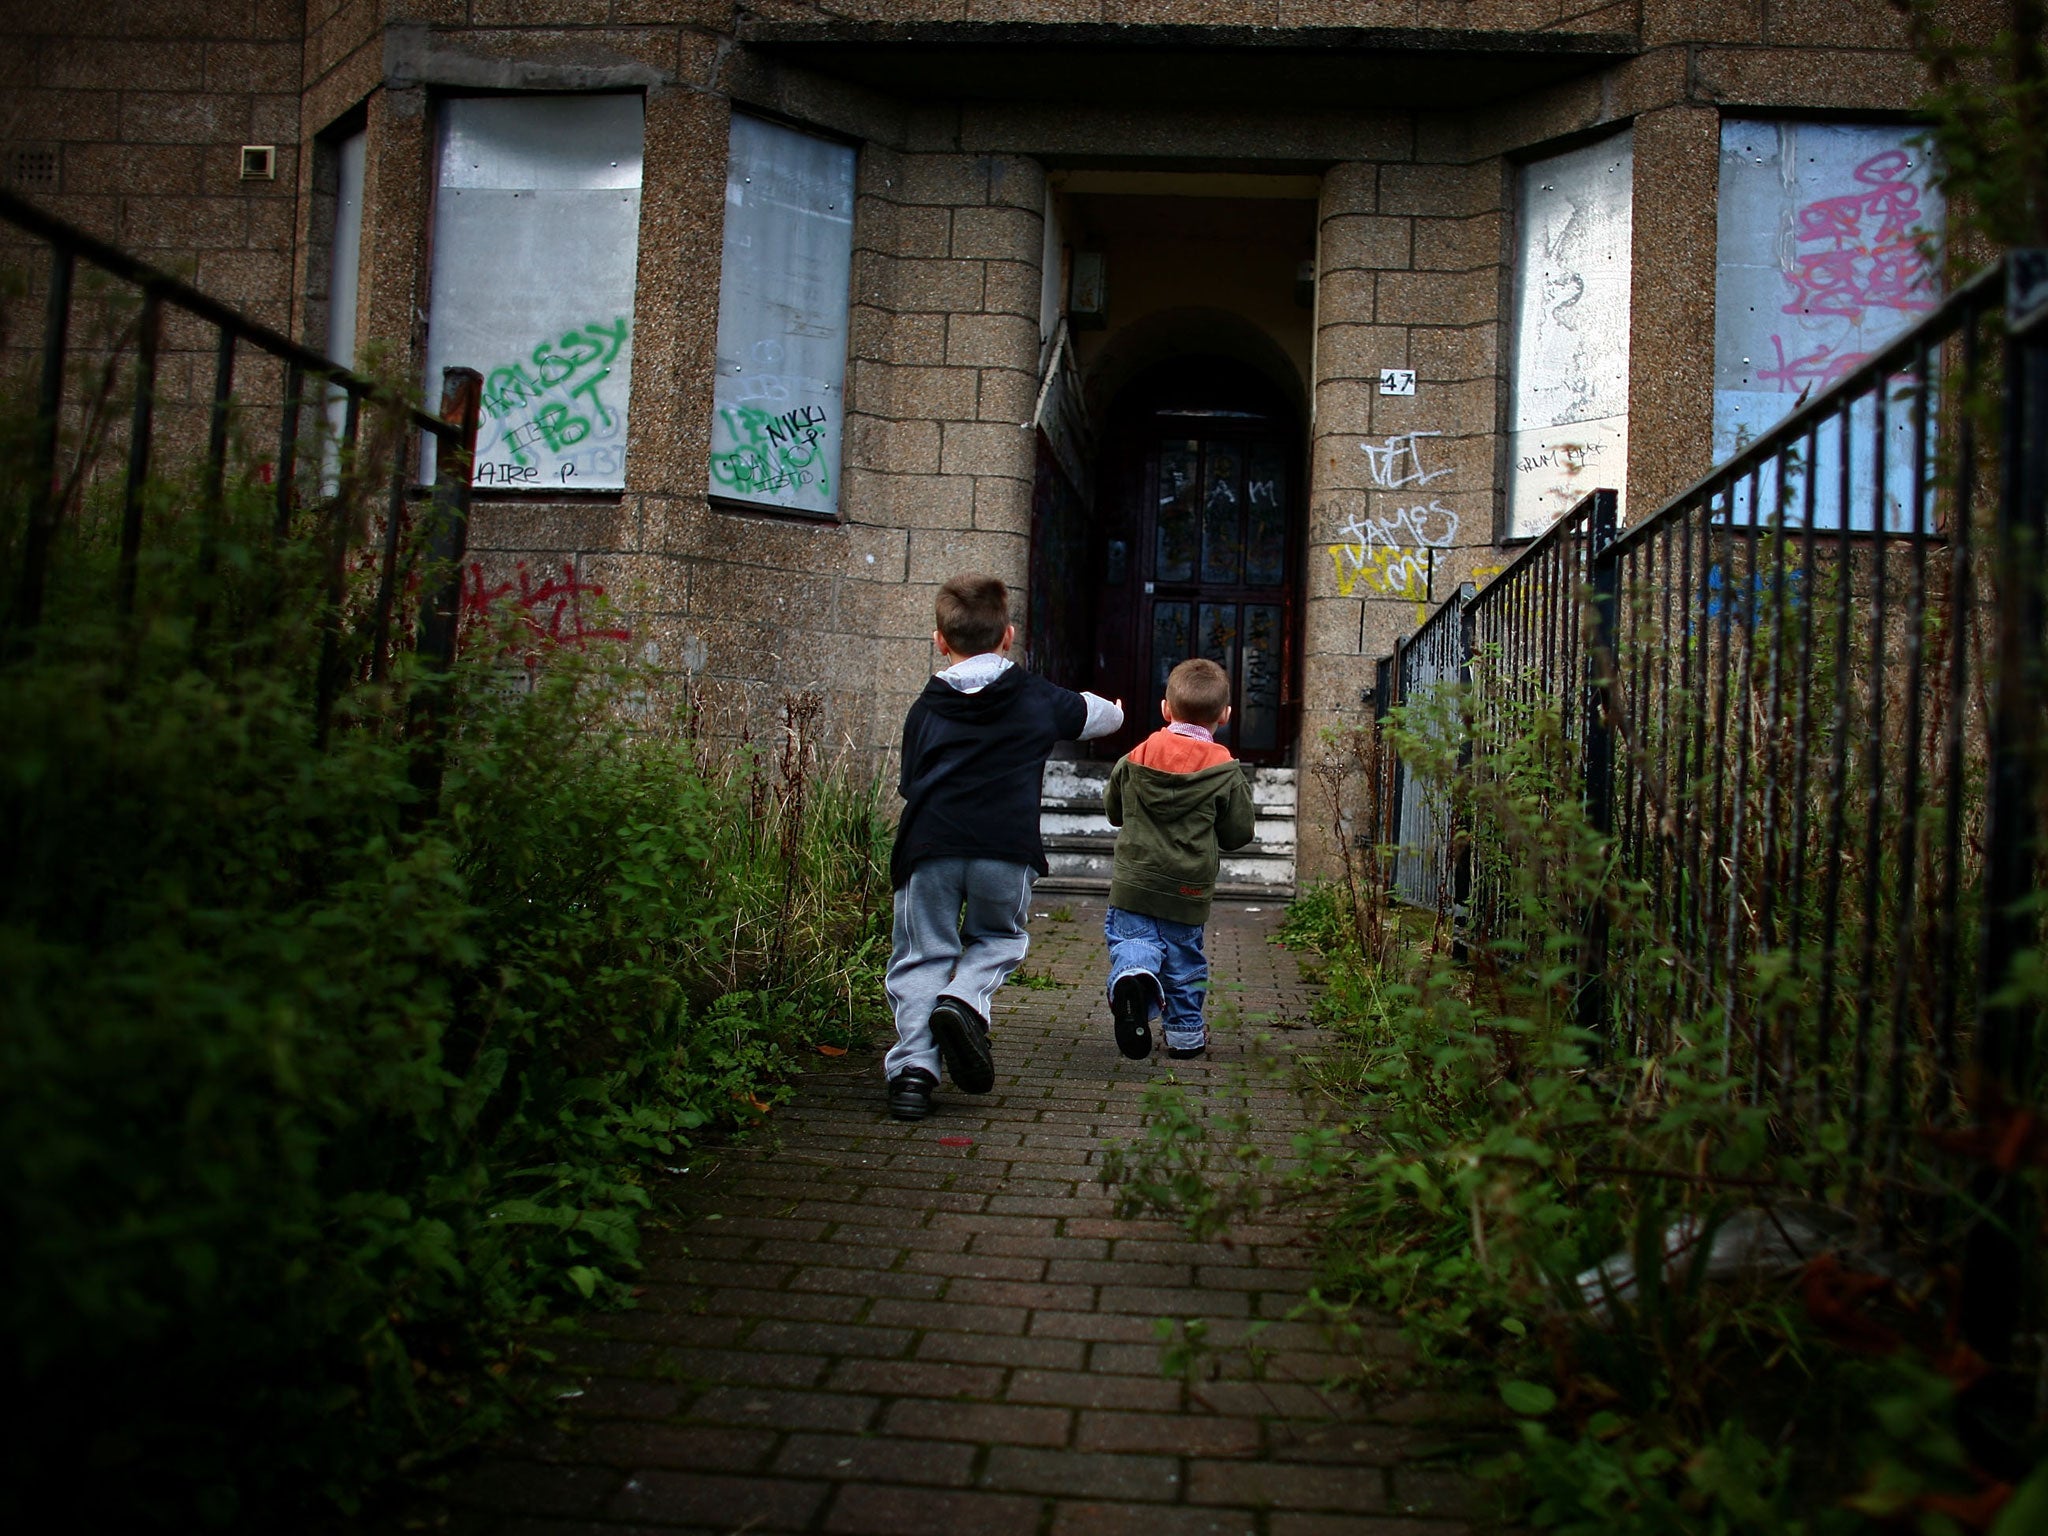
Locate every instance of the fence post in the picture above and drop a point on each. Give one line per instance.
(1597, 755)
(1995, 1259)
(1390, 695)
(42, 504)
(1461, 867)
(1383, 763)
(447, 543)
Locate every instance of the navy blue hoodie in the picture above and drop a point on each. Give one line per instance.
(973, 766)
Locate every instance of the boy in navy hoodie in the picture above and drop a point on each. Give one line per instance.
(967, 848)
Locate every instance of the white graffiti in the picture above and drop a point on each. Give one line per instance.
(1430, 525)
(1398, 462)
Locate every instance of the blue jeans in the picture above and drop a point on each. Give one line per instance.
(959, 933)
(1171, 955)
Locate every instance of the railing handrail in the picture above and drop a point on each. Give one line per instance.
(154, 281)
(1873, 370)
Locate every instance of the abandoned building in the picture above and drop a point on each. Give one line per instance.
(1245, 328)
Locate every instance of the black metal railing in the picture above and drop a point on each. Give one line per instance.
(1805, 703)
(317, 494)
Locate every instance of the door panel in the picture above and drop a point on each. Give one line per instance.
(1218, 570)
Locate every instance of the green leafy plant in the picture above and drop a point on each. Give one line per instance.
(315, 1098)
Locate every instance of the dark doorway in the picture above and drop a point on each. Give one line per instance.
(1199, 524)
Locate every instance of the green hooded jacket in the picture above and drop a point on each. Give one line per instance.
(1178, 802)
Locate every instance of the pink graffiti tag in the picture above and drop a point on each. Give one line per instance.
(1815, 371)
(1864, 254)
(552, 610)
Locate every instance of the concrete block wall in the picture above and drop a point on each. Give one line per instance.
(145, 104)
(1402, 500)
(128, 120)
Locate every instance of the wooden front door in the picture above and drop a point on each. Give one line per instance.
(1202, 530)
(1216, 551)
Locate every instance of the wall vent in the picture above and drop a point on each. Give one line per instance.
(33, 168)
(259, 162)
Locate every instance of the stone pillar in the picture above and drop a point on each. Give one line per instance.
(1402, 497)
(944, 373)
(1671, 321)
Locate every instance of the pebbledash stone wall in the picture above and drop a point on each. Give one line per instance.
(127, 116)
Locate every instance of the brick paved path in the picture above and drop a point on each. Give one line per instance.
(870, 1327)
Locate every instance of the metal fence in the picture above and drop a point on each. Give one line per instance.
(1804, 699)
(319, 492)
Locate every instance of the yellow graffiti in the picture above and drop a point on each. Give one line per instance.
(1385, 571)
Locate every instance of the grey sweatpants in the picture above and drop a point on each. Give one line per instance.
(959, 933)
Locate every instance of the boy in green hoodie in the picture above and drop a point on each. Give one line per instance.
(1179, 799)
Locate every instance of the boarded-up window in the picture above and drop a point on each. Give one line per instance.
(778, 412)
(345, 250)
(536, 246)
(1822, 259)
(1568, 405)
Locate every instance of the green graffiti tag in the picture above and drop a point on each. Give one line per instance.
(575, 365)
(772, 451)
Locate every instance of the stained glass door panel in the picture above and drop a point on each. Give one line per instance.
(1220, 565)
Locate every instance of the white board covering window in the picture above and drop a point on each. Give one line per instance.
(778, 415)
(343, 281)
(536, 250)
(1824, 233)
(1568, 379)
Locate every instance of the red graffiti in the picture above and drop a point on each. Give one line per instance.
(551, 610)
(1864, 253)
(1813, 372)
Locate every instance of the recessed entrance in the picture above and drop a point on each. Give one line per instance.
(1199, 510)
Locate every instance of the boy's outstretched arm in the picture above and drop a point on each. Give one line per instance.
(1104, 716)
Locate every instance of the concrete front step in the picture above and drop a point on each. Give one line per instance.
(1078, 786)
(1080, 842)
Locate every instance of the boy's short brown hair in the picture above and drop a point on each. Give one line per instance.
(974, 611)
(1198, 691)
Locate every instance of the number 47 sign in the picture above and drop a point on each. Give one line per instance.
(1397, 381)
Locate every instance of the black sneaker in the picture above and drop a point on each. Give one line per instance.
(963, 1044)
(1131, 1002)
(910, 1093)
(1187, 1052)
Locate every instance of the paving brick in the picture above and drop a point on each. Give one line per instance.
(851, 1458)
(1172, 1301)
(1350, 1490)
(786, 1410)
(720, 1365)
(919, 1378)
(977, 1349)
(1117, 1272)
(1094, 1519)
(693, 1446)
(976, 1266)
(943, 1314)
(1068, 1473)
(794, 1306)
(1079, 1389)
(726, 1502)
(1290, 1524)
(1113, 1327)
(867, 1510)
(1022, 1293)
(868, 1282)
(1168, 1434)
(981, 1423)
(830, 1338)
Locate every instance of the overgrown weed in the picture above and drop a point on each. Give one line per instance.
(315, 1098)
